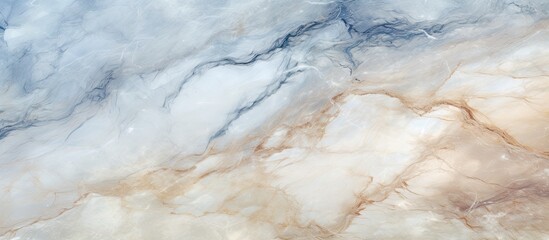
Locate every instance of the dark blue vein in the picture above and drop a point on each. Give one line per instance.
(277, 45)
(270, 90)
(95, 95)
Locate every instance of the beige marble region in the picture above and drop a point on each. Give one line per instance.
(442, 141)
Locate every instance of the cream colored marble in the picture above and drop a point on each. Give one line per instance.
(441, 140)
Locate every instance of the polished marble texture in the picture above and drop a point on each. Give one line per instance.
(188, 119)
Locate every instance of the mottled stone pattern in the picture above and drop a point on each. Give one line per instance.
(286, 119)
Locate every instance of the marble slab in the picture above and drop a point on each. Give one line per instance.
(274, 119)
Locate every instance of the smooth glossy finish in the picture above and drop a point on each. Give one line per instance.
(166, 119)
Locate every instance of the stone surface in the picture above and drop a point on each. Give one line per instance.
(281, 119)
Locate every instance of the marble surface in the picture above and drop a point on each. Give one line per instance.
(188, 119)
